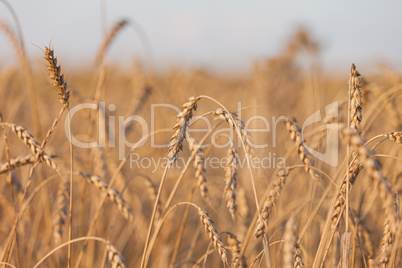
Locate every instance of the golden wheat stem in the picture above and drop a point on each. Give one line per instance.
(11, 181)
(144, 261)
(114, 255)
(111, 182)
(108, 40)
(194, 152)
(21, 54)
(170, 198)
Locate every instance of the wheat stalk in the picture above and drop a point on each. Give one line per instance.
(60, 216)
(270, 201)
(182, 124)
(108, 40)
(19, 49)
(153, 192)
(111, 193)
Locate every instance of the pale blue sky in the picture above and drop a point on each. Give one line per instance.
(218, 34)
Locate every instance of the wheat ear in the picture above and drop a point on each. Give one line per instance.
(338, 207)
(394, 136)
(235, 122)
(60, 216)
(56, 76)
(213, 234)
(17, 162)
(231, 180)
(290, 239)
(111, 193)
(182, 124)
(199, 167)
(235, 247)
(297, 136)
(33, 145)
(270, 202)
(115, 257)
(356, 103)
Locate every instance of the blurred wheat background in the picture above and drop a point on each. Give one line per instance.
(113, 205)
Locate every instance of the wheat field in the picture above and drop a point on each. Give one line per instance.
(126, 167)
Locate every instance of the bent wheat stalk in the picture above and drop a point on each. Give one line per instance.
(108, 40)
(115, 257)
